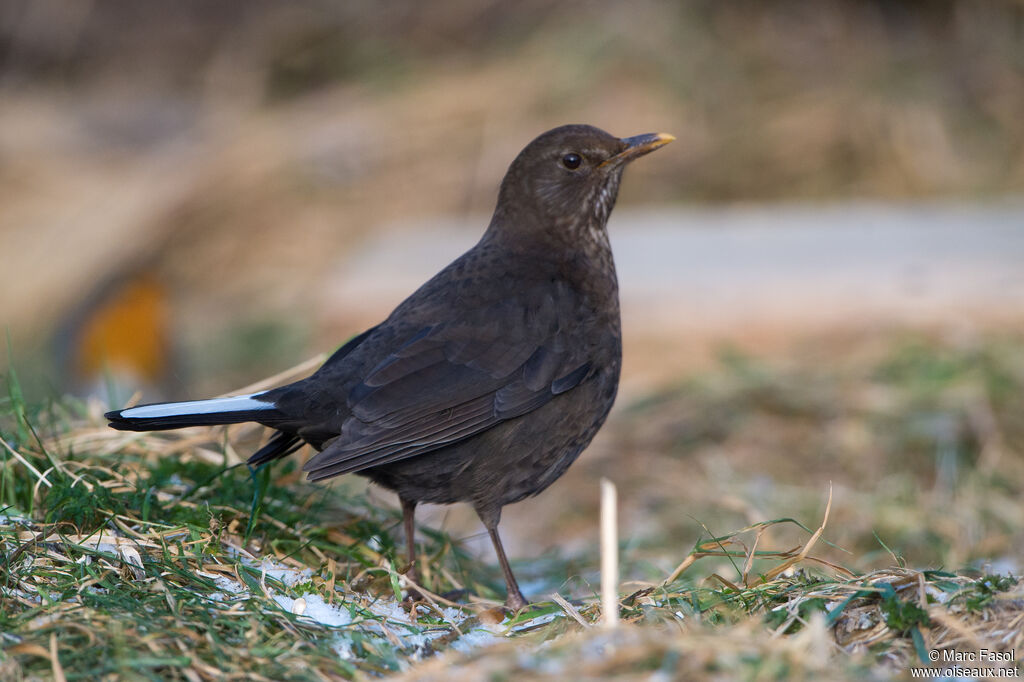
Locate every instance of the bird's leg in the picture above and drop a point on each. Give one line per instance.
(408, 520)
(515, 599)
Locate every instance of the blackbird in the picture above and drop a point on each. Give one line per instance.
(486, 383)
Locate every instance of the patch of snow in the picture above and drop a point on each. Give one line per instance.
(229, 587)
(286, 574)
(390, 609)
(224, 583)
(317, 609)
(453, 615)
(476, 638)
(415, 638)
(228, 584)
(343, 647)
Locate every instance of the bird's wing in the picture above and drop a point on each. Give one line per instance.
(452, 380)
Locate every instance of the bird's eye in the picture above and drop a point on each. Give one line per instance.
(572, 161)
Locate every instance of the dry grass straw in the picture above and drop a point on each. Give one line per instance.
(609, 555)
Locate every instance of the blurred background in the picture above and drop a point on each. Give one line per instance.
(195, 195)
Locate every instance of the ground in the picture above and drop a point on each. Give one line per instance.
(158, 555)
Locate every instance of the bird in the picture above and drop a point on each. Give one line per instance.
(487, 382)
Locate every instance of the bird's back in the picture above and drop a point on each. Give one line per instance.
(494, 336)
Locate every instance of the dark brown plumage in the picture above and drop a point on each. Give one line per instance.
(486, 383)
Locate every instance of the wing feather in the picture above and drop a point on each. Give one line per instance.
(341, 459)
(448, 382)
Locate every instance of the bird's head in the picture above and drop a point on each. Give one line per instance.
(567, 179)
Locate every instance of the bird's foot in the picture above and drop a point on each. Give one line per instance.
(515, 601)
(412, 594)
(413, 597)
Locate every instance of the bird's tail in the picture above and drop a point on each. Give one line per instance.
(162, 416)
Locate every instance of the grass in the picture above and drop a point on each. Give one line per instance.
(921, 438)
(162, 556)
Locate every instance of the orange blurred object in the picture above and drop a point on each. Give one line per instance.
(119, 337)
(127, 332)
